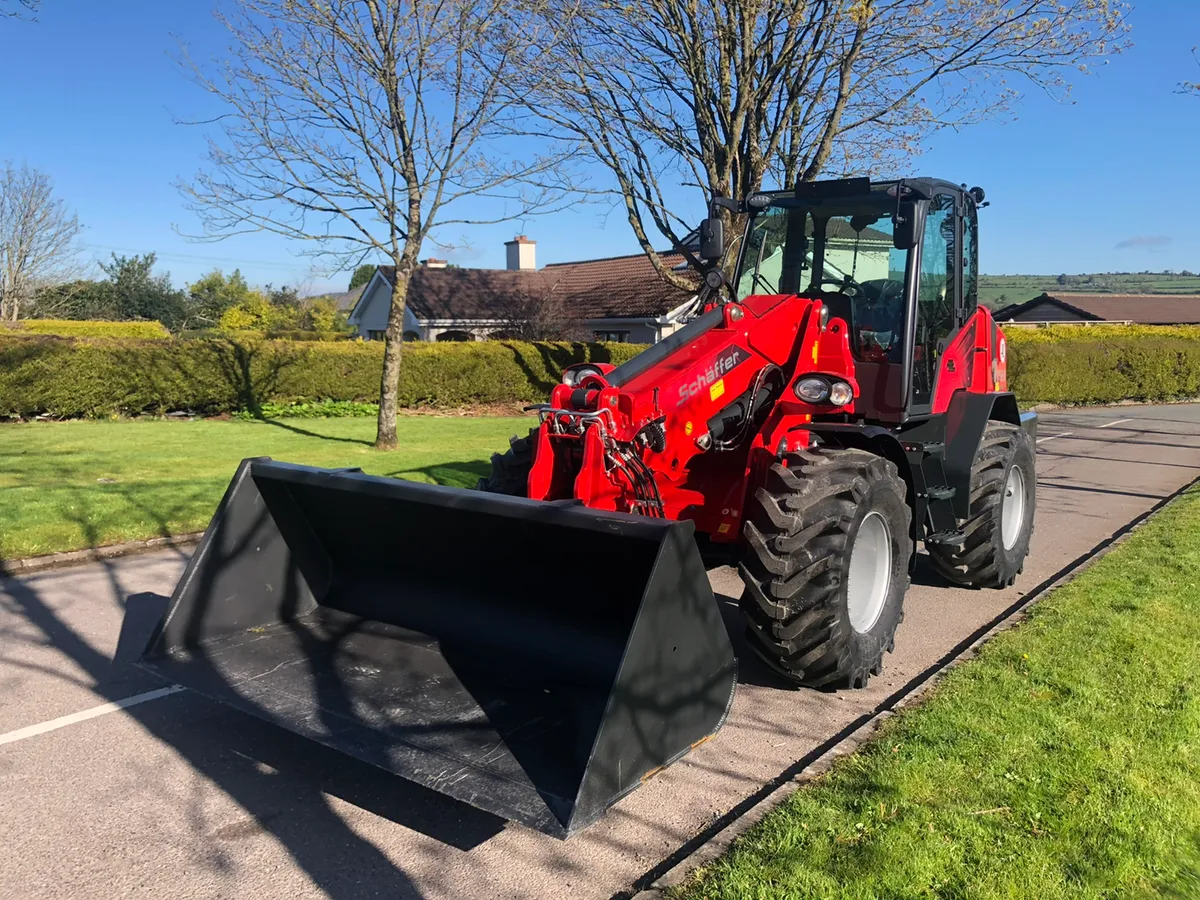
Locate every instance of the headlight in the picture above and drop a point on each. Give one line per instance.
(576, 374)
(812, 390)
(818, 390)
(841, 393)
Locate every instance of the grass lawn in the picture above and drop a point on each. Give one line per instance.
(1064, 762)
(70, 485)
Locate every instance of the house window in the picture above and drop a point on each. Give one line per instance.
(616, 337)
(376, 335)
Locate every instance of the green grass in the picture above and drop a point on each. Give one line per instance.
(71, 485)
(1001, 290)
(1064, 762)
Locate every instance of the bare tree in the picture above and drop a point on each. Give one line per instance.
(363, 126)
(541, 314)
(717, 94)
(37, 237)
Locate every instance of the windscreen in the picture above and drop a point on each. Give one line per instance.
(841, 252)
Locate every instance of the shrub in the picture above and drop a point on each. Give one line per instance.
(85, 376)
(1104, 369)
(317, 409)
(99, 377)
(1072, 334)
(300, 335)
(77, 328)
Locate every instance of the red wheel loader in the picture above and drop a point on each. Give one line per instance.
(541, 646)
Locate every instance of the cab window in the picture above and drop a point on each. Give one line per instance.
(936, 301)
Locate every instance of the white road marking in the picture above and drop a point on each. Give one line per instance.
(104, 709)
(1118, 422)
(1053, 436)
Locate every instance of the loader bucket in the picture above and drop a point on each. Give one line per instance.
(536, 660)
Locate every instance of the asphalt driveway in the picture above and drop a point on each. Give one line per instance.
(114, 787)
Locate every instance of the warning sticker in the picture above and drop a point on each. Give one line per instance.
(717, 389)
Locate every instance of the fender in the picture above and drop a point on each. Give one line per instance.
(966, 418)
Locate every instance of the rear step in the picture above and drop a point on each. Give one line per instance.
(403, 624)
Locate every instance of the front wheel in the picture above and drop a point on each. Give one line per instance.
(1000, 524)
(826, 565)
(510, 470)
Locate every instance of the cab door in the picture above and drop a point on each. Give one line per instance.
(942, 300)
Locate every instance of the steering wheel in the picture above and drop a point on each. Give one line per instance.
(847, 286)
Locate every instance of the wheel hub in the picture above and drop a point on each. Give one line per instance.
(1012, 509)
(870, 573)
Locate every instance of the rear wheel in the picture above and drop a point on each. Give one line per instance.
(510, 470)
(999, 528)
(826, 565)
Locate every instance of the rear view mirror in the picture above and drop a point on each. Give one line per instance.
(908, 223)
(712, 239)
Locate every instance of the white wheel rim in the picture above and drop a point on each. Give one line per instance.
(870, 575)
(1012, 509)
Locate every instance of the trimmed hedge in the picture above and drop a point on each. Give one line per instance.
(84, 328)
(1088, 368)
(80, 377)
(91, 377)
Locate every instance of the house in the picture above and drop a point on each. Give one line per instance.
(1140, 309)
(615, 299)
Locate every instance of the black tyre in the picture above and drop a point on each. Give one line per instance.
(826, 565)
(510, 470)
(1003, 495)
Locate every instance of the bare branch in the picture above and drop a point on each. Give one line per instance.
(19, 9)
(1191, 87)
(670, 93)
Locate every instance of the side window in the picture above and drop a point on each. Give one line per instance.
(935, 296)
(764, 255)
(970, 264)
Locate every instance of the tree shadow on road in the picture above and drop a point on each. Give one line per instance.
(231, 750)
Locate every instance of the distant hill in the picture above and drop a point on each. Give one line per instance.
(996, 291)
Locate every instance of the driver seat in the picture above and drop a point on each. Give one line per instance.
(878, 382)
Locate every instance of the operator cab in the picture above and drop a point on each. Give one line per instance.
(883, 257)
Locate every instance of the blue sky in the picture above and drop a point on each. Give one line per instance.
(1106, 182)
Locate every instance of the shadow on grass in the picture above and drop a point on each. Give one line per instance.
(296, 429)
(454, 474)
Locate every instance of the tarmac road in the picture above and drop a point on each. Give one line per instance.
(175, 796)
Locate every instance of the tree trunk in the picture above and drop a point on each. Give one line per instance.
(393, 344)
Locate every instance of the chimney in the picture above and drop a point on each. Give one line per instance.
(432, 263)
(520, 252)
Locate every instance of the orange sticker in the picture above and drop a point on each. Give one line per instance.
(717, 389)
(687, 428)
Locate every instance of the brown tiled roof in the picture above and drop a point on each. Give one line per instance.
(1143, 309)
(467, 293)
(617, 287)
